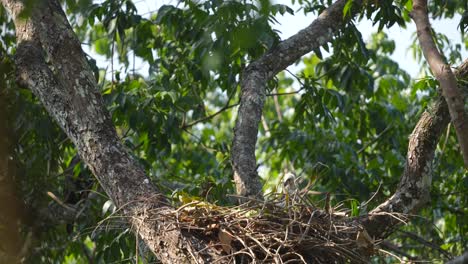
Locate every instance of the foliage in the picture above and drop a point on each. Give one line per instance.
(342, 121)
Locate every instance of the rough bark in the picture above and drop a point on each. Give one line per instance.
(460, 259)
(441, 70)
(51, 63)
(413, 190)
(253, 85)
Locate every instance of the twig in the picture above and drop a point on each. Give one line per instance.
(391, 254)
(396, 249)
(209, 117)
(199, 140)
(60, 202)
(373, 196)
(265, 127)
(277, 107)
(426, 243)
(287, 93)
(375, 139)
(446, 140)
(297, 77)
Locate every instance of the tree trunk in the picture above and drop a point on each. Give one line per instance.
(51, 63)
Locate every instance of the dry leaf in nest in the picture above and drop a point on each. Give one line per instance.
(363, 240)
(225, 238)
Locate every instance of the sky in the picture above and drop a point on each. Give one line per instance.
(291, 24)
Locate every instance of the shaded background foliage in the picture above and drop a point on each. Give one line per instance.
(342, 121)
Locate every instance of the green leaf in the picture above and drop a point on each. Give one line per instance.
(347, 8)
(102, 46)
(354, 208)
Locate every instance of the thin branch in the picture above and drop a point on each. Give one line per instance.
(203, 119)
(397, 249)
(287, 93)
(265, 127)
(377, 138)
(295, 76)
(426, 243)
(446, 140)
(277, 107)
(61, 203)
(199, 140)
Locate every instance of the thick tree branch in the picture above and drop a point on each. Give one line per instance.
(51, 63)
(460, 259)
(453, 96)
(253, 85)
(413, 190)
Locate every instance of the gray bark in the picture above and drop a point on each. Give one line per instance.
(463, 259)
(453, 96)
(413, 191)
(253, 85)
(51, 63)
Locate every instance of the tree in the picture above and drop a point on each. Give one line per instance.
(145, 137)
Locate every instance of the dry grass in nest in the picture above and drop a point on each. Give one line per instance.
(282, 229)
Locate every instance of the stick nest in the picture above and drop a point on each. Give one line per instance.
(279, 230)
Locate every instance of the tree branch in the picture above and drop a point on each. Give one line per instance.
(51, 63)
(460, 259)
(286, 93)
(203, 119)
(441, 70)
(375, 139)
(426, 243)
(395, 248)
(415, 183)
(254, 79)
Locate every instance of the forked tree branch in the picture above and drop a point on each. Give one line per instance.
(441, 70)
(253, 86)
(413, 191)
